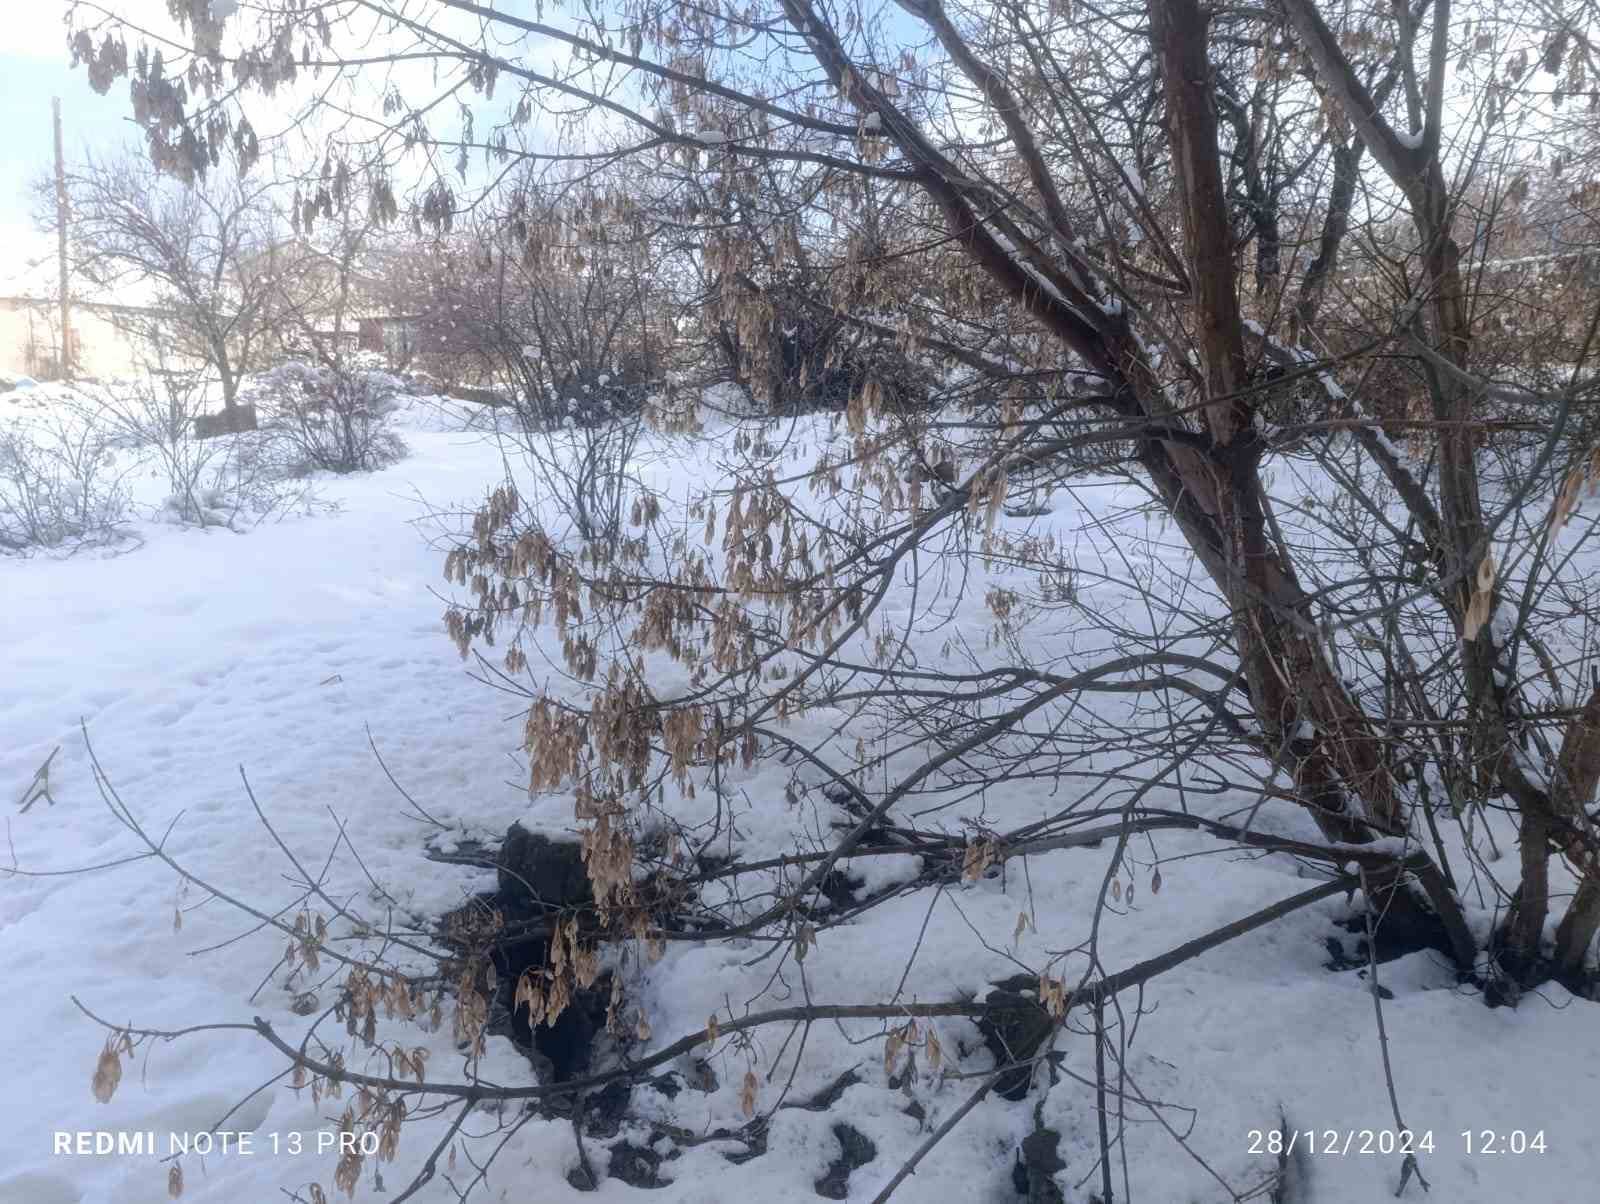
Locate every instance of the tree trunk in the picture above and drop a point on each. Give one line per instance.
(230, 386)
(1577, 778)
(1305, 712)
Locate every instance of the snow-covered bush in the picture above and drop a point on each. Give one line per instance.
(154, 415)
(221, 481)
(58, 483)
(331, 417)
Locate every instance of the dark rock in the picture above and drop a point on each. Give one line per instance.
(829, 1095)
(1014, 1028)
(1404, 926)
(855, 1150)
(1037, 1164)
(581, 1178)
(636, 1165)
(538, 875)
(227, 422)
(1019, 1174)
(604, 1109)
(535, 869)
(838, 888)
(1338, 959)
(569, 1042)
(669, 1084)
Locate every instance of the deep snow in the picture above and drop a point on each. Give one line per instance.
(273, 651)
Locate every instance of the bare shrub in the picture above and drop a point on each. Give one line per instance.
(331, 416)
(246, 477)
(59, 483)
(574, 341)
(155, 413)
(329, 403)
(586, 473)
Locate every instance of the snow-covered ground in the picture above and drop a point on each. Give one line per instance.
(206, 656)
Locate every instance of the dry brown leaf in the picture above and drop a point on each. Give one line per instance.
(891, 1050)
(747, 1094)
(107, 1073)
(1482, 599)
(1566, 500)
(975, 860)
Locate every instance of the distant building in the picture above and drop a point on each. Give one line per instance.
(30, 338)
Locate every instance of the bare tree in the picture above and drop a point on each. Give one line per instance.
(328, 399)
(206, 254)
(1104, 242)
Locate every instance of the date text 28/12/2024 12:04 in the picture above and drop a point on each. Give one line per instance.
(1486, 1142)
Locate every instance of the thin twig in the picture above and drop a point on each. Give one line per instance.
(1409, 1166)
(909, 1167)
(416, 806)
(39, 788)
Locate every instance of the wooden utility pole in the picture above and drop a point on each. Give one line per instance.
(61, 245)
